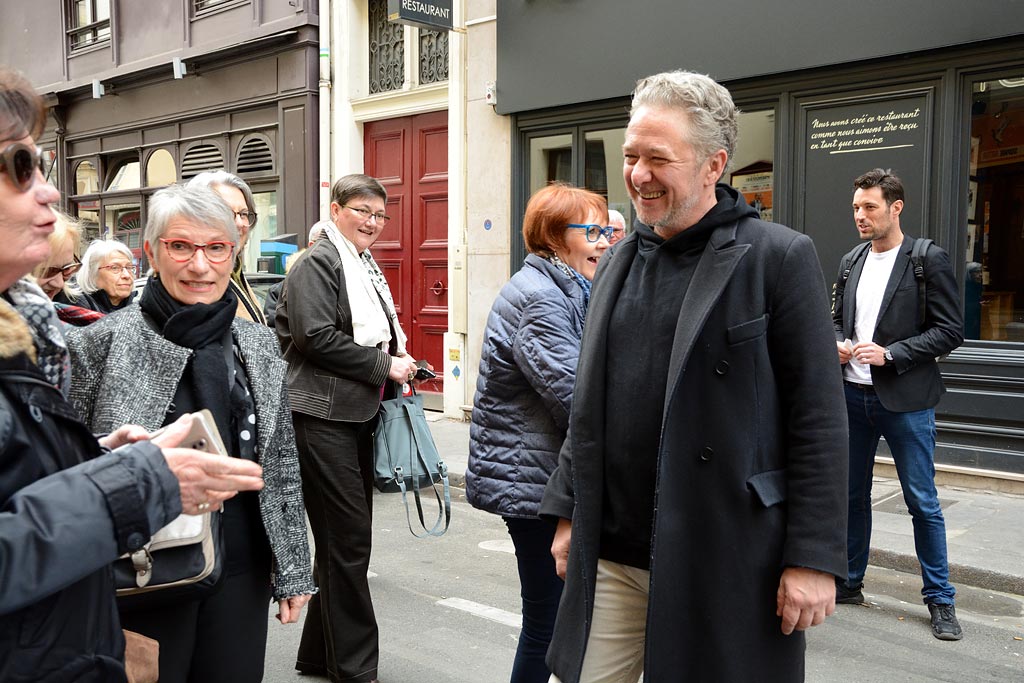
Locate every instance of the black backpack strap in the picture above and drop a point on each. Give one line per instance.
(855, 254)
(917, 260)
(847, 264)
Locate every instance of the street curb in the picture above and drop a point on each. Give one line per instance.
(958, 573)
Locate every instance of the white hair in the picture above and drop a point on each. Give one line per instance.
(95, 256)
(616, 217)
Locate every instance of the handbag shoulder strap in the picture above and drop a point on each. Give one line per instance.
(444, 506)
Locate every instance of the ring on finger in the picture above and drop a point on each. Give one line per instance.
(203, 507)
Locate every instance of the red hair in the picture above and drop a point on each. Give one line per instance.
(551, 209)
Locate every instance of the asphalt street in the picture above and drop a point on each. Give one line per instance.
(448, 613)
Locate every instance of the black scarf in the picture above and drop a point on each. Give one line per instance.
(203, 328)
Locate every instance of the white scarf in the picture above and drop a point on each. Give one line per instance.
(370, 320)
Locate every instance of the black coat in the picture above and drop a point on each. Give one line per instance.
(66, 513)
(751, 467)
(912, 381)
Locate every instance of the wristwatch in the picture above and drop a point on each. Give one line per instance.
(888, 356)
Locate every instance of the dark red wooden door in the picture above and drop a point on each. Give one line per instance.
(409, 155)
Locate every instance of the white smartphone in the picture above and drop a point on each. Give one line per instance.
(202, 436)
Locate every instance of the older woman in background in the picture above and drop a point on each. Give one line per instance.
(181, 349)
(236, 193)
(107, 276)
(524, 394)
(54, 274)
(339, 330)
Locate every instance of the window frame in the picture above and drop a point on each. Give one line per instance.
(94, 28)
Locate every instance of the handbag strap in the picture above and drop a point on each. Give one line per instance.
(444, 509)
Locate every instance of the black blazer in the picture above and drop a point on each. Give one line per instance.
(329, 375)
(912, 381)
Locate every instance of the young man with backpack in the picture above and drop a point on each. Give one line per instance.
(896, 310)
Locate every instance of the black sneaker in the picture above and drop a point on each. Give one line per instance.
(944, 623)
(848, 596)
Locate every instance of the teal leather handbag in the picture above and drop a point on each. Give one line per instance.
(406, 458)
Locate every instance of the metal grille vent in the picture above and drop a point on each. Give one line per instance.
(205, 157)
(255, 156)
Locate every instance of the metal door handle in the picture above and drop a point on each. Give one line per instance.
(438, 288)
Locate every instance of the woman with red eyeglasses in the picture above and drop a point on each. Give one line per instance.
(178, 350)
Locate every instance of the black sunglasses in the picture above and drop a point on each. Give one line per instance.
(21, 161)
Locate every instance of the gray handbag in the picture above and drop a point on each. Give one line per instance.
(405, 457)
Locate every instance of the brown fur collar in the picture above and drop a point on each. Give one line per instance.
(15, 337)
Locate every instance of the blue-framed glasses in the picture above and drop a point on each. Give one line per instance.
(594, 232)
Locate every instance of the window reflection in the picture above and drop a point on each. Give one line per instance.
(86, 179)
(994, 280)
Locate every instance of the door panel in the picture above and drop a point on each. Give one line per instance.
(409, 155)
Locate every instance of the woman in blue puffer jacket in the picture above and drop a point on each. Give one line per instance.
(524, 393)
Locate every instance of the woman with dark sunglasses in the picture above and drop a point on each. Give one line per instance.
(67, 508)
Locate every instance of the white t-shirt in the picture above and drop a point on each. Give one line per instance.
(870, 289)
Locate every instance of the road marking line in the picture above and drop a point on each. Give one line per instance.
(502, 546)
(485, 611)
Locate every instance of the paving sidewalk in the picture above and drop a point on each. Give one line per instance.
(984, 529)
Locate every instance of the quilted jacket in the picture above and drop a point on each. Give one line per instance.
(524, 390)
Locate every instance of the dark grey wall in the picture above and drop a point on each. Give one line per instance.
(555, 52)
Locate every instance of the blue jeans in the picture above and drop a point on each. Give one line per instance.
(911, 440)
(541, 589)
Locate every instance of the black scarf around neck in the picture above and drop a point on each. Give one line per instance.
(203, 328)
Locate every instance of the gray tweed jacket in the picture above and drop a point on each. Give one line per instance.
(124, 372)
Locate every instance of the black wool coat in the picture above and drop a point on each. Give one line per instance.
(752, 465)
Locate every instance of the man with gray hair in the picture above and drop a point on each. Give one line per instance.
(701, 528)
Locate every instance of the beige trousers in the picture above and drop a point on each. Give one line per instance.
(615, 647)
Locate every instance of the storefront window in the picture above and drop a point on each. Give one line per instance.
(123, 220)
(89, 213)
(602, 168)
(266, 228)
(994, 278)
(550, 160)
(160, 169)
(751, 170)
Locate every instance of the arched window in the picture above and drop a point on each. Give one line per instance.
(124, 175)
(87, 180)
(160, 169)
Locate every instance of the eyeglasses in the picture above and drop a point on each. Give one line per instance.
(248, 216)
(21, 161)
(184, 250)
(367, 215)
(67, 271)
(617, 234)
(116, 269)
(594, 232)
